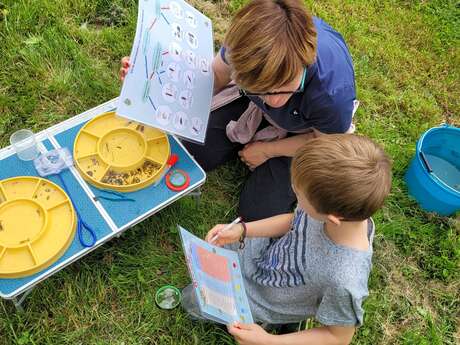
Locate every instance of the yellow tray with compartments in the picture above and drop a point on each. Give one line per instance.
(37, 225)
(111, 152)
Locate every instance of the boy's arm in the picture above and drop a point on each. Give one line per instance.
(275, 226)
(253, 334)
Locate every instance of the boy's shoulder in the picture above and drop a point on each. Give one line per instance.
(345, 268)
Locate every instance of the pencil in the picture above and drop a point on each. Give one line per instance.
(227, 227)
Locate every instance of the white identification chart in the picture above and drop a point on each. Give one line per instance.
(170, 81)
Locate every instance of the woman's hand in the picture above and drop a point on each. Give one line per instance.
(125, 64)
(250, 334)
(254, 154)
(231, 235)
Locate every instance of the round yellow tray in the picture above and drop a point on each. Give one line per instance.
(37, 225)
(115, 153)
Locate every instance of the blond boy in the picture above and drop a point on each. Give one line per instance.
(316, 261)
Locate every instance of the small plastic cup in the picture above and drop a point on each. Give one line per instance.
(23, 142)
(168, 297)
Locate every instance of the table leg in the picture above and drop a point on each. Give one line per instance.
(19, 300)
(196, 195)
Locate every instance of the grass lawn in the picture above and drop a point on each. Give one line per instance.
(59, 58)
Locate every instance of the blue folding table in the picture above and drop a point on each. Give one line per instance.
(109, 218)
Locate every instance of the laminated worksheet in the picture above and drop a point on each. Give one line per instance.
(217, 280)
(170, 81)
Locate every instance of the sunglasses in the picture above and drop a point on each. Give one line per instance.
(299, 90)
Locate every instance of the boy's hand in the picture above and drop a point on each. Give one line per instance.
(125, 64)
(250, 334)
(225, 237)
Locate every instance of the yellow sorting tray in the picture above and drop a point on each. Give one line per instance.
(37, 225)
(115, 153)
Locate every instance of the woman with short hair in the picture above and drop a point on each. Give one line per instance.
(281, 76)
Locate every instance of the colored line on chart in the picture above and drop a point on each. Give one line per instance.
(159, 79)
(134, 62)
(161, 72)
(156, 58)
(151, 102)
(165, 8)
(146, 68)
(146, 42)
(165, 18)
(138, 44)
(165, 52)
(157, 8)
(153, 23)
(145, 95)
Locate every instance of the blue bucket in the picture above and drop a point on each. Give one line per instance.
(433, 177)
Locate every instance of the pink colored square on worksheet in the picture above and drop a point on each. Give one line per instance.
(214, 265)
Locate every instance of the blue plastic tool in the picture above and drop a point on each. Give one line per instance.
(54, 163)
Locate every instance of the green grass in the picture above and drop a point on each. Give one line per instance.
(59, 58)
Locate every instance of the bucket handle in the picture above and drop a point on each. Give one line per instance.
(425, 161)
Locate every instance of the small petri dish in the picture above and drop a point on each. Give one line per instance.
(24, 144)
(168, 297)
(177, 180)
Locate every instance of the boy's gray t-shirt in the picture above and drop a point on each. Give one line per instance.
(304, 274)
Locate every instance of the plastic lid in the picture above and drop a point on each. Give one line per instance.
(168, 297)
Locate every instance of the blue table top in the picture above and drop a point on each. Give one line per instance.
(122, 214)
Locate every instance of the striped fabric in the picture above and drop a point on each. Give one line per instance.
(282, 264)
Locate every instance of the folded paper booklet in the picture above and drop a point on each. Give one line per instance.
(170, 81)
(217, 280)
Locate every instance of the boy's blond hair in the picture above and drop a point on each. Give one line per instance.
(269, 42)
(344, 175)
